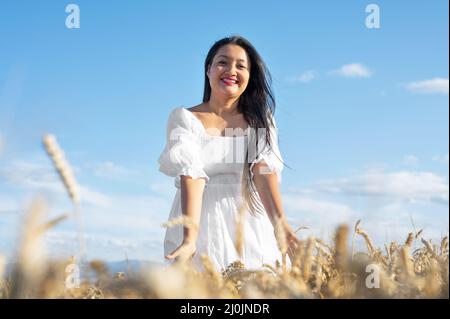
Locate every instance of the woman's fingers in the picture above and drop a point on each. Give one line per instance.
(292, 246)
(291, 253)
(174, 253)
(182, 253)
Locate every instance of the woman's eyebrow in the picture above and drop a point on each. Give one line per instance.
(225, 56)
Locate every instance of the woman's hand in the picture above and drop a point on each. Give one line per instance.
(191, 205)
(184, 252)
(268, 189)
(292, 242)
(289, 239)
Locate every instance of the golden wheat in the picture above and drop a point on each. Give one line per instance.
(62, 166)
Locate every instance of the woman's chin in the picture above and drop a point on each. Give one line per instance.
(230, 90)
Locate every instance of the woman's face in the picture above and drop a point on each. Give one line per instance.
(229, 71)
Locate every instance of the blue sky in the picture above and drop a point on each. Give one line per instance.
(362, 113)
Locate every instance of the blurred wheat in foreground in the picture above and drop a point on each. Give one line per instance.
(319, 269)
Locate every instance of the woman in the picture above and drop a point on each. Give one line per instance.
(234, 206)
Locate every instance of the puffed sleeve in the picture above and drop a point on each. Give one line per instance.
(269, 154)
(182, 153)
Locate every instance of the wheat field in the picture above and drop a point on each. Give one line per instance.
(319, 269)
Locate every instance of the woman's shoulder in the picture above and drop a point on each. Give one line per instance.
(184, 111)
(179, 115)
(182, 117)
(177, 111)
(196, 108)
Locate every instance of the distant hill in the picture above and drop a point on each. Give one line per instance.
(128, 267)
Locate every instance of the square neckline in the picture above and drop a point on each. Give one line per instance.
(204, 129)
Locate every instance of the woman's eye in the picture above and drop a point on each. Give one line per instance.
(241, 66)
(221, 62)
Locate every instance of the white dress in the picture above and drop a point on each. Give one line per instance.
(192, 151)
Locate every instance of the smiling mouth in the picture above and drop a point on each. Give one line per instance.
(229, 81)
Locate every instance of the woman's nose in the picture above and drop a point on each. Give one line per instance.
(232, 69)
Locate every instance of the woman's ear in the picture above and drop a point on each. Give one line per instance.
(207, 71)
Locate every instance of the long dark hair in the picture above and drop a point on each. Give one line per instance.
(257, 104)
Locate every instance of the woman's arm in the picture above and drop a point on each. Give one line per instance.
(191, 206)
(268, 190)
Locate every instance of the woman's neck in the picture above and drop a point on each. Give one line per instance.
(223, 105)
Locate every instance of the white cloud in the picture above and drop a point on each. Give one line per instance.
(403, 185)
(383, 201)
(166, 189)
(319, 215)
(441, 158)
(9, 205)
(375, 167)
(110, 170)
(435, 85)
(305, 77)
(410, 160)
(39, 175)
(110, 216)
(309, 205)
(63, 244)
(354, 70)
(384, 219)
(394, 220)
(36, 174)
(97, 199)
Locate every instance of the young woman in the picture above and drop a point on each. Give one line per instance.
(220, 179)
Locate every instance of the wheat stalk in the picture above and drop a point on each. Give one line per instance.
(184, 220)
(65, 173)
(408, 267)
(62, 167)
(444, 245)
(367, 239)
(310, 244)
(354, 236)
(301, 228)
(409, 240)
(341, 247)
(429, 248)
(2, 270)
(30, 266)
